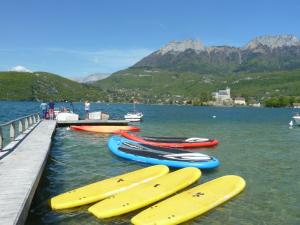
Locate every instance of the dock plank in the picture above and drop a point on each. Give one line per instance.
(20, 173)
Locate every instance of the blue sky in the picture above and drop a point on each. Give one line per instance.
(80, 37)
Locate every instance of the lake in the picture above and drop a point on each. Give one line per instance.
(255, 143)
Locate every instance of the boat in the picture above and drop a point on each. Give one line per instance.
(172, 157)
(192, 202)
(66, 116)
(296, 119)
(171, 142)
(134, 116)
(105, 128)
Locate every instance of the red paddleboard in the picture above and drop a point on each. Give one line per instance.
(171, 142)
(105, 129)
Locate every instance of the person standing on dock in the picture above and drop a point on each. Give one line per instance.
(44, 107)
(51, 110)
(87, 109)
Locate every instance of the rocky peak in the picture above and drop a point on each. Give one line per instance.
(92, 78)
(181, 46)
(274, 41)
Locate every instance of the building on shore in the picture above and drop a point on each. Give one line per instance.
(222, 97)
(239, 101)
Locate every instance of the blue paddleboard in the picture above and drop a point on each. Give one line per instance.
(132, 150)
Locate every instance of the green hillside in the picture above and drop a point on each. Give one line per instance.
(156, 84)
(44, 86)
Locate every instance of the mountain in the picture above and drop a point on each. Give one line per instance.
(44, 86)
(264, 53)
(267, 66)
(93, 77)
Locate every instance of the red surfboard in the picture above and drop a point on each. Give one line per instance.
(105, 129)
(171, 142)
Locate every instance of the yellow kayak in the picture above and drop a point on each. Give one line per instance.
(146, 193)
(102, 189)
(191, 203)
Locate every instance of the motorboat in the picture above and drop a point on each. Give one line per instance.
(134, 116)
(296, 119)
(67, 116)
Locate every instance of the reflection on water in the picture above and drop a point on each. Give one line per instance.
(256, 144)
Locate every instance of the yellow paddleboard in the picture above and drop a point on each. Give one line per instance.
(191, 203)
(146, 193)
(97, 191)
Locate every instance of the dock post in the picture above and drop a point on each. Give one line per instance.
(25, 123)
(33, 119)
(30, 120)
(12, 131)
(38, 118)
(1, 139)
(20, 126)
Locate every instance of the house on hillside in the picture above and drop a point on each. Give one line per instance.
(222, 97)
(239, 101)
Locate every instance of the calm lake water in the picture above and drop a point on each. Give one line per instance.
(255, 143)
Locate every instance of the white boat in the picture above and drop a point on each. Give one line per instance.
(67, 116)
(296, 119)
(134, 116)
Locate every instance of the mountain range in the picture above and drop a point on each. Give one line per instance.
(264, 53)
(264, 67)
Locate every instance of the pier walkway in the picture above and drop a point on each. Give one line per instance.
(20, 172)
(23, 159)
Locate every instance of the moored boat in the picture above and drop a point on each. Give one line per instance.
(134, 116)
(67, 116)
(296, 119)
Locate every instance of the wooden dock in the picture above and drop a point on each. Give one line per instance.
(20, 172)
(22, 161)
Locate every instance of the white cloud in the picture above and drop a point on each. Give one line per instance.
(20, 69)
